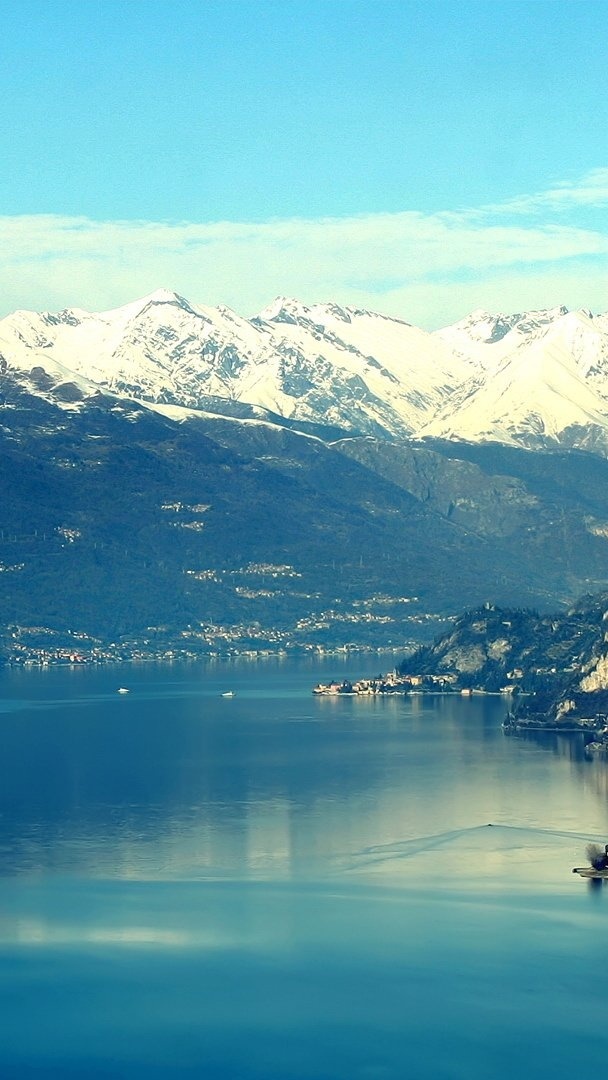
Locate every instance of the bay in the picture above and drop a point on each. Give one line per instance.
(274, 885)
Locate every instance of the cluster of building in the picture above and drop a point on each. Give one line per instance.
(391, 683)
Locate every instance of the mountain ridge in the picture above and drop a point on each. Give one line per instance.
(241, 532)
(535, 379)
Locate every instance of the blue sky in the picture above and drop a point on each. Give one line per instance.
(419, 158)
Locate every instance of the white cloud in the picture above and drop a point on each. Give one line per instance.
(591, 190)
(424, 267)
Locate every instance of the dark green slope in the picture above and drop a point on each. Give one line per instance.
(546, 511)
(105, 511)
(115, 520)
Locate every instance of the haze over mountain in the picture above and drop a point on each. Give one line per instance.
(537, 379)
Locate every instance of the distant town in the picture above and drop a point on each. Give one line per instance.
(20, 653)
(395, 683)
(372, 624)
(42, 646)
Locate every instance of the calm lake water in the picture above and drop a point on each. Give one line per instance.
(280, 887)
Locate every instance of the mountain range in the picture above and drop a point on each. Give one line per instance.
(177, 478)
(537, 379)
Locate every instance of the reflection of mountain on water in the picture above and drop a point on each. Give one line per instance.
(570, 745)
(164, 783)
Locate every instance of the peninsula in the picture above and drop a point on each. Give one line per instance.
(552, 668)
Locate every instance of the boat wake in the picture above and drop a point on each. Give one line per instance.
(410, 848)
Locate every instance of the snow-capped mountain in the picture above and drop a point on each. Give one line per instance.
(398, 375)
(542, 379)
(352, 369)
(538, 378)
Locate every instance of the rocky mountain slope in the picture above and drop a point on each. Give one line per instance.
(558, 661)
(538, 379)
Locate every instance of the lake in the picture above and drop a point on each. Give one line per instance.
(276, 886)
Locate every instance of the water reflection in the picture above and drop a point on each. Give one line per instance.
(279, 888)
(291, 982)
(173, 781)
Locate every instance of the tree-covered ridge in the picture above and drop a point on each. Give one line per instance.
(146, 533)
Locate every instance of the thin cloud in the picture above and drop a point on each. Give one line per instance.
(387, 261)
(588, 191)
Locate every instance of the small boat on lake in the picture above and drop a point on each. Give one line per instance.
(228, 693)
(598, 868)
(123, 690)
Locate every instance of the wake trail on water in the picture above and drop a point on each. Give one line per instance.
(407, 849)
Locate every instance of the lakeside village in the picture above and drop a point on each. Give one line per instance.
(395, 683)
(343, 627)
(595, 728)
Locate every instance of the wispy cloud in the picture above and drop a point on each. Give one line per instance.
(429, 268)
(590, 191)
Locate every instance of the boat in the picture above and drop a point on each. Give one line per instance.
(228, 693)
(123, 690)
(591, 873)
(597, 867)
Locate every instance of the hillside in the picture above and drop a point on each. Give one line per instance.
(555, 665)
(177, 479)
(120, 524)
(194, 531)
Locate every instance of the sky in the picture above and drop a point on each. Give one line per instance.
(418, 159)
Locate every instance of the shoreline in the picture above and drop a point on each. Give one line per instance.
(314, 653)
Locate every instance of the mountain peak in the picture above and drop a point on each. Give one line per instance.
(489, 328)
(164, 296)
(524, 378)
(157, 298)
(283, 309)
(287, 310)
(161, 297)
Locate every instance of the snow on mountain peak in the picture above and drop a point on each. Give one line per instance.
(509, 377)
(136, 307)
(324, 312)
(482, 327)
(283, 309)
(166, 296)
(580, 318)
(549, 378)
(69, 316)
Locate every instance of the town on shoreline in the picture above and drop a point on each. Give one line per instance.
(595, 729)
(395, 683)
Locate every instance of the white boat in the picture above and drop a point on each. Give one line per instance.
(228, 693)
(123, 690)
